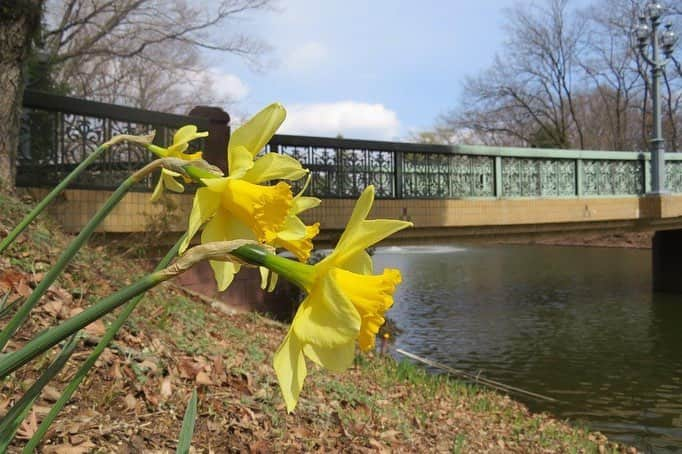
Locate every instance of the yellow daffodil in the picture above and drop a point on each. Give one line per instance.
(181, 140)
(345, 302)
(169, 178)
(238, 206)
(168, 181)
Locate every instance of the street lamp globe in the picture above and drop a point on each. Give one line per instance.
(654, 10)
(668, 40)
(642, 31)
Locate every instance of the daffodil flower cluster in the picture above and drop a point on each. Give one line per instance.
(345, 302)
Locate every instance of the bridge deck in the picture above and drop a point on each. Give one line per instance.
(433, 219)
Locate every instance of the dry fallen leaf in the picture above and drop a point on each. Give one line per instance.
(28, 427)
(130, 402)
(202, 378)
(166, 387)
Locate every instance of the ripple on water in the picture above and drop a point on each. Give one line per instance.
(419, 250)
(577, 324)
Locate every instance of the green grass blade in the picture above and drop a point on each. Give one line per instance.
(185, 438)
(111, 331)
(4, 244)
(12, 420)
(22, 313)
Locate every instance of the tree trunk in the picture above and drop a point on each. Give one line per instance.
(19, 22)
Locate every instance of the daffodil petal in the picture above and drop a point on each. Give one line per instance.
(187, 133)
(290, 368)
(168, 177)
(264, 272)
(274, 166)
(360, 263)
(158, 190)
(239, 161)
(216, 185)
(224, 273)
(360, 211)
(176, 150)
(336, 359)
(326, 317)
(274, 277)
(192, 156)
(204, 206)
(303, 203)
(362, 236)
(223, 228)
(294, 229)
(255, 133)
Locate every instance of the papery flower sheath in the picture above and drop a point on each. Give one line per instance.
(345, 301)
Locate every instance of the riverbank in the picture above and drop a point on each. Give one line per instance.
(175, 342)
(635, 240)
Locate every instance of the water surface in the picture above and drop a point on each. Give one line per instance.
(577, 324)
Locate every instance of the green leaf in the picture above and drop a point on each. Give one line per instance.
(188, 421)
(12, 420)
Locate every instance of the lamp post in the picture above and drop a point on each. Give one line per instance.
(649, 34)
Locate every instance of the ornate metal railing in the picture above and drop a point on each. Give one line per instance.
(343, 167)
(58, 132)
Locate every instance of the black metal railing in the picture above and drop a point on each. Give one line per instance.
(58, 132)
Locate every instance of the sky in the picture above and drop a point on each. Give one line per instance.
(373, 69)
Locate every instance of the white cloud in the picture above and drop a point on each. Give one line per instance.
(227, 85)
(351, 119)
(221, 86)
(306, 57)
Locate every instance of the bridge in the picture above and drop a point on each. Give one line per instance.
(449, 192)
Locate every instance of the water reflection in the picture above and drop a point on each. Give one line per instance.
(577, 324)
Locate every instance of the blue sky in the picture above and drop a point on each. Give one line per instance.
(364, 69)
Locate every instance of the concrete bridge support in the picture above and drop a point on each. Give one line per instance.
(667, 261)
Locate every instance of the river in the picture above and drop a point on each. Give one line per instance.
(580, 325)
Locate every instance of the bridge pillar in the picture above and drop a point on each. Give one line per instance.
(218, 134)
(667, 261)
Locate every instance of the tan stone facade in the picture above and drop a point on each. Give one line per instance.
(438, 218)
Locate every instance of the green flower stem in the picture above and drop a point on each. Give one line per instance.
(220, 250)
(4, 244)
(13, 418)
(111, 331)
(23, 312)
(197, 174)
(299, 273)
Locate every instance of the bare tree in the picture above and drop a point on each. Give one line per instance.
(615, 77)
(528, 94)
(569, 77)
(19, 21)
(145, 53)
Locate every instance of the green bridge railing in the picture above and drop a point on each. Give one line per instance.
(58, 132)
